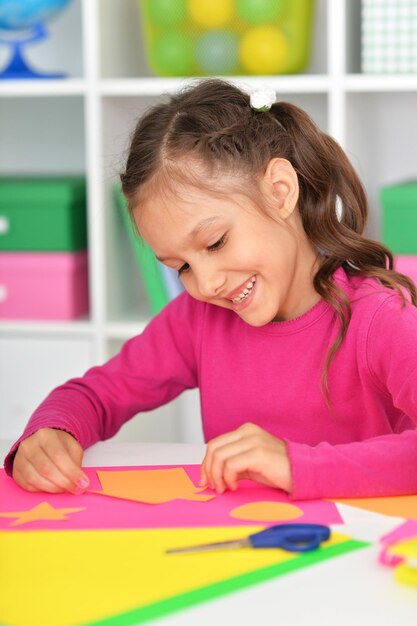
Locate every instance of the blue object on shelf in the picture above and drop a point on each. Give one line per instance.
(172, 282)
(27, 17)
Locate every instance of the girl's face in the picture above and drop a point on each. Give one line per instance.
(230, 254)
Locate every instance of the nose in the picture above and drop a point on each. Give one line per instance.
(210, 282)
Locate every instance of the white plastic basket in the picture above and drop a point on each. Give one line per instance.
(389, 36)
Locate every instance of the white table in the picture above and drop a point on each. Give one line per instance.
(353, 589)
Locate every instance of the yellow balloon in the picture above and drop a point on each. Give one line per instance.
(264, 50)
(211, 13)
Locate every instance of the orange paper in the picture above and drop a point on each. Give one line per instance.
(266, 512)
(42, 511)
(397, 506)
(150, 486)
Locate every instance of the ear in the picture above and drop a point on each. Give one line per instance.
(281, 184)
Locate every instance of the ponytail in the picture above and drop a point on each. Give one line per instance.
(334, 210)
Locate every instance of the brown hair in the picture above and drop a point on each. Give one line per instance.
(212, 124)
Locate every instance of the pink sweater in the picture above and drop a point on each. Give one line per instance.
(365, 446)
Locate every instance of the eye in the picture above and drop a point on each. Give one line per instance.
(213, 248)
(183, 269)
(219, 244)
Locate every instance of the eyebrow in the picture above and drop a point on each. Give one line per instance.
(202, 225)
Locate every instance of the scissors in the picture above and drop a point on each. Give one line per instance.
(290, 537)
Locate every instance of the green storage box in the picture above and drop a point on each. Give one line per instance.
(43, 213)
(227, 37)
(399, 217)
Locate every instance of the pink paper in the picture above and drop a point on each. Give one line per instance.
(103, 512)
(403, 531)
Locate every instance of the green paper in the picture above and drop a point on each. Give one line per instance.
(145, 260)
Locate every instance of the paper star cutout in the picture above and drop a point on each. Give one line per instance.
(42, 511)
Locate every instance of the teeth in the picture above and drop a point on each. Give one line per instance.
(246, 291)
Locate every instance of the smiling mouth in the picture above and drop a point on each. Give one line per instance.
(245, 292)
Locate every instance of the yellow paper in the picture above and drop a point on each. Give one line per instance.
(406, 548)
(405, 574)
(74, 577)
(150, 486)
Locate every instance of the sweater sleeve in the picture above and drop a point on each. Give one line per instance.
(149, 371)
(380, 466)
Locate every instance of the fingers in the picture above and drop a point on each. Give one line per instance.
(31, 480)
(223, 473)
(50, 460)
(222, 448)
(237, 467)
(206, 478)
(248, 452)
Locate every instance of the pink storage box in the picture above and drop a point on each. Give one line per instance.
(43, 285)
(407, 265)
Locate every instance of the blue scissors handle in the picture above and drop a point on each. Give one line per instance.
(291, 537)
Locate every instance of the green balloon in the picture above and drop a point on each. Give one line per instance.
(260, 11)
(173, 54)
(217, 52)
(166, 12)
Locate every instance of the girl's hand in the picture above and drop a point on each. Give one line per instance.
(50, 460)
(248, 452)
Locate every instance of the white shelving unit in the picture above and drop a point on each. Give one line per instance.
(82, 124)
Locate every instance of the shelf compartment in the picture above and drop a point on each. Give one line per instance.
(122, 46)
(42, 135)
(60, 52)
(30, 367)
(385, 120)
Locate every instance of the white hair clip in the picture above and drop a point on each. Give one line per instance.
(261, 100)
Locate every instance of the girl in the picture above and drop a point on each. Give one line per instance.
(295, 327)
